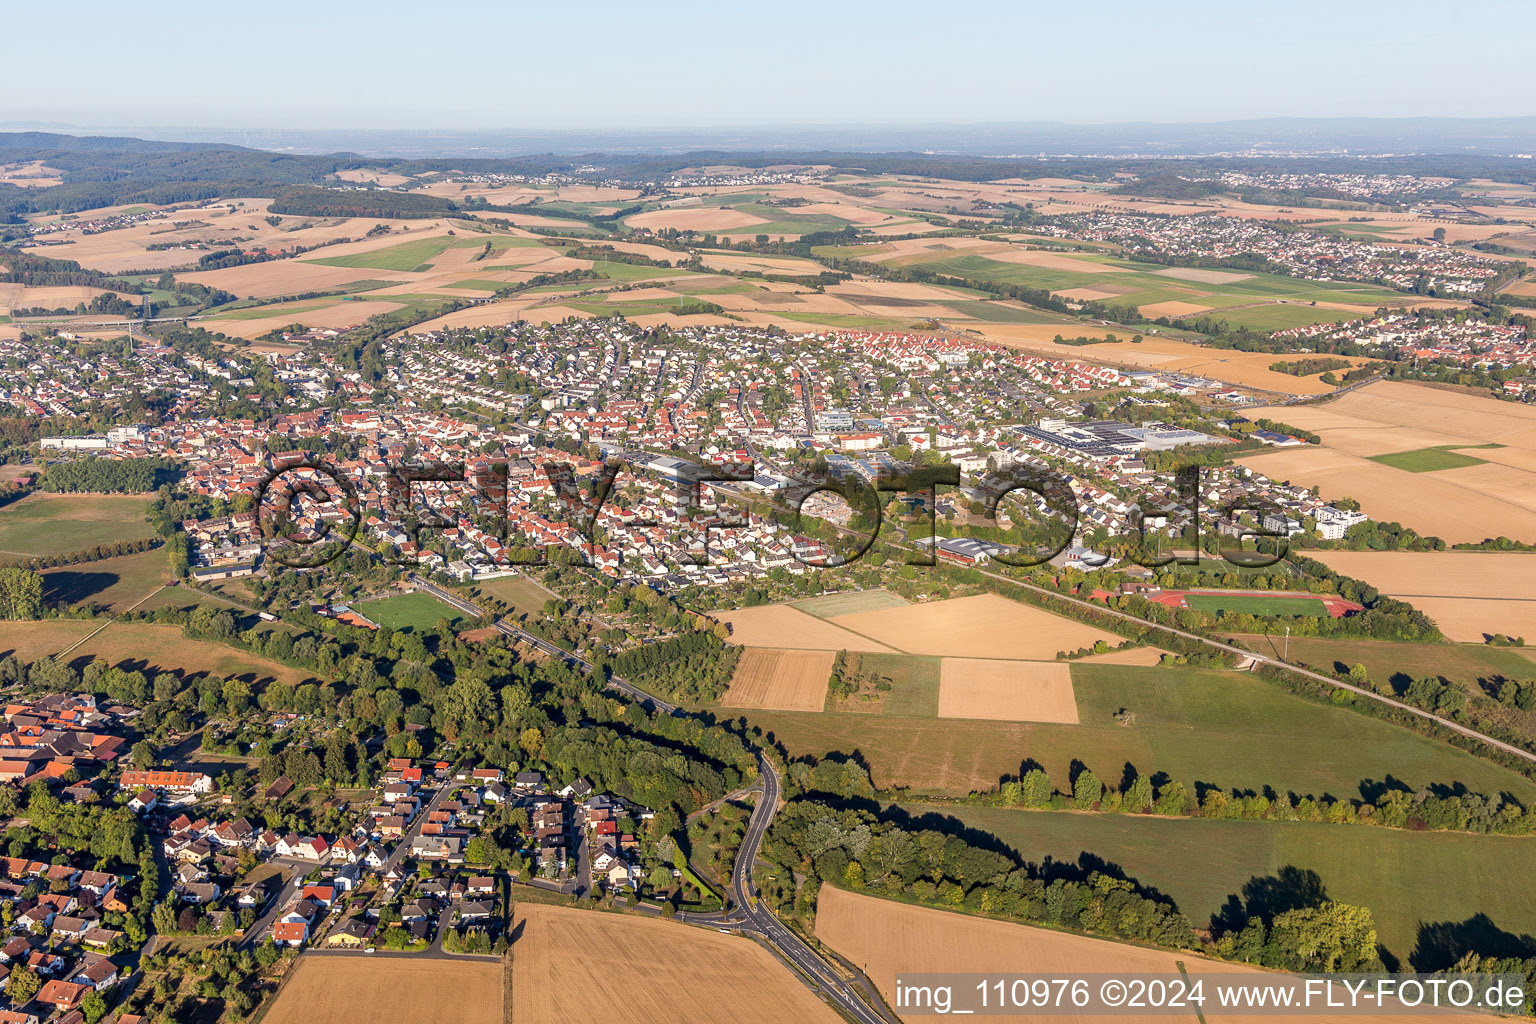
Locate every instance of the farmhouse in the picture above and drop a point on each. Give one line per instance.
(167, 781)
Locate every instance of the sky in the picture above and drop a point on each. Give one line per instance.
(502, 65)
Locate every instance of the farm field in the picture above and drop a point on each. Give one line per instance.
(886, 938)
(849, 601)
(1254, 605)
(1451, 505)
(1467, 593)
(43, 523)
(1226, 729)
(1161, 353)
(778, 625)
(578, 965)
(519, 591)
(404, 256)
(1431, 460)
(1433, 877)
(779, 680)
(1400, 664)
(1144, 656)
(1223, 294)
(357, 990)
(144, 647)
(1392, 445)
(115, 584)
(984, 626)
(415, 612)
(1008, 691)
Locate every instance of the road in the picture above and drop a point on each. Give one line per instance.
(821, 975)
(263, 926)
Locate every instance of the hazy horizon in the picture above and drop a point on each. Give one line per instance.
(489, 68)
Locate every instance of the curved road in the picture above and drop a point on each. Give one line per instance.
(818, 973)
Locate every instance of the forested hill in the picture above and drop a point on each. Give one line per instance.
(105, 171)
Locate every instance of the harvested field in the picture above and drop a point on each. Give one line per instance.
(984, 626)
(1007, 691)
(777, 625)
(1143, 656)
(286, 277)
(780, 680)
(1203, 276)
(1091, 294)
(570, 965)
(1468, 593)
(885, 939)
(384, 179)
(357, 990)
(1051, 261)
(768, 265)
(1470, 503)
(1172, 307)
(1358, 421)
(1244, 368)
(1444, 504)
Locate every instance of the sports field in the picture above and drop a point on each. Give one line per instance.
(1253, 605)
(417, 611)
(1433, 876)
(52, 524)
(359, 990)
(1228, 729)
(577, 965)
(779, 680)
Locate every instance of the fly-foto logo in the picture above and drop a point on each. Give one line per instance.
(310, 512)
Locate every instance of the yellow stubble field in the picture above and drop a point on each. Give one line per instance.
(576, 965)
(1467, 593)
(780, 680)
(886, 939)
(1007, 691)
(983, 626)
(780, 626)
(360, 990)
